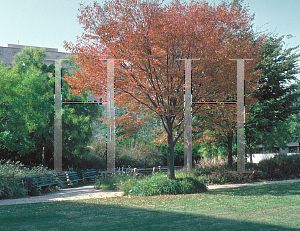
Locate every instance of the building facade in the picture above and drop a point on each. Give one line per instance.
(8, 52)
(262, 154)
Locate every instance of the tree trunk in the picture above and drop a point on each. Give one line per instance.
(229, 145)
(171, 171)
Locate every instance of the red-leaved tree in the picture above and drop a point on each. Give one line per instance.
(149, 38)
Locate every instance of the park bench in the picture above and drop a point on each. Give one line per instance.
(143, 171)
(165, 168)
(90, 175)
(152, 171)
(69, 177)
(104, 173)
(43, 181)
(26, 183)
(245, 172)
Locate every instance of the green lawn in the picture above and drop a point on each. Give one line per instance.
(265, 207)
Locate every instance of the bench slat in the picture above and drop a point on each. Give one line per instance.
(44, 181)
(90, 174)
(69, 177)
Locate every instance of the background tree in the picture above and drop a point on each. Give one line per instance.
(23, 103)
(150, 37)
(26, 113)
(219, 121)
(277, 97)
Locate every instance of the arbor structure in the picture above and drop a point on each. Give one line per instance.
(150, 38)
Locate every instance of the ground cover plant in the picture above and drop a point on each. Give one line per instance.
(261, 207)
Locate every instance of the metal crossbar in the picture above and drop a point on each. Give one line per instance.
(216, 102)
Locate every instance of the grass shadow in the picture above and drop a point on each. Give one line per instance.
(89, 215)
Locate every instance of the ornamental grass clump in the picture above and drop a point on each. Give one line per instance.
(10, 175)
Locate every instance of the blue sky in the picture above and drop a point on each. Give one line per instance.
(47, 23)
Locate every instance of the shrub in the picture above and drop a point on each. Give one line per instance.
(215, 171)
(106, 183)
(116, 182)
(222, 176)
(159, 185)
(126, 183)
(280, 166)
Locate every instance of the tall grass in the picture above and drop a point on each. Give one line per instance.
(213, 162)
(10, 175)
(130, 153)
(140, 154)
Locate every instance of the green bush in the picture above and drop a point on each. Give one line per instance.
(106, 183)
(116, 182)
(280, 166)
(159, 185)
(215, 171)
(126, 183)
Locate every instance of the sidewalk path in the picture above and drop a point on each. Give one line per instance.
(83, 192)
(88, 192)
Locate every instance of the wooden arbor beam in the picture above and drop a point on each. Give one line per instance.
(240, 115)
(58, 116)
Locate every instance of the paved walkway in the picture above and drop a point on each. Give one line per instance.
(83, 192)
(88, 192)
